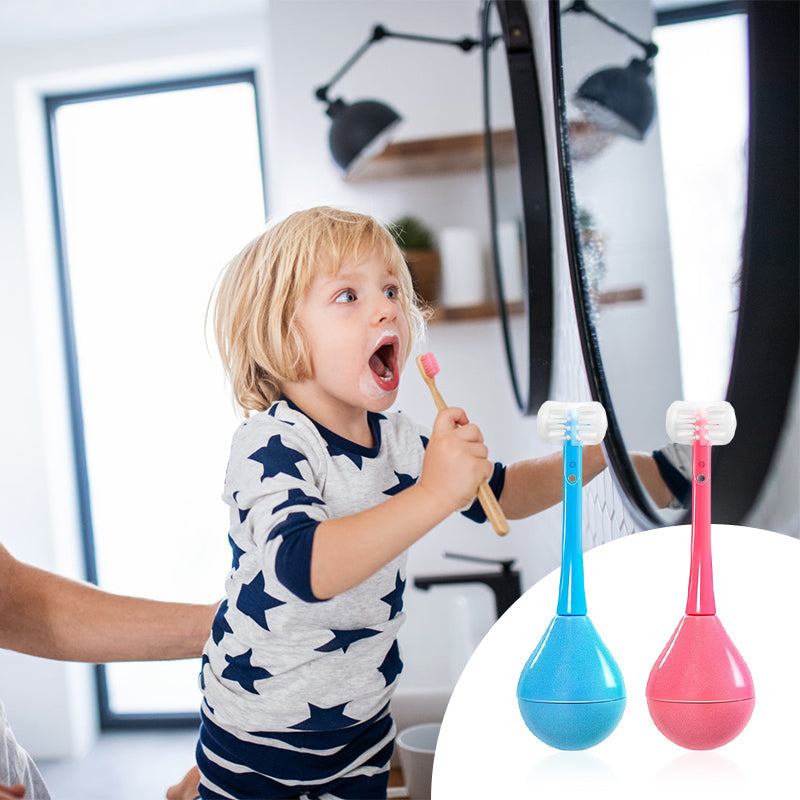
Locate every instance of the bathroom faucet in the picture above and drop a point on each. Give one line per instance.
(505, 584)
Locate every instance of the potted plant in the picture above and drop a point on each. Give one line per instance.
(417, 242)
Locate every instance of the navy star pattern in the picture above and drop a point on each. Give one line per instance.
(276, 459)
(273, 412)
(220, 626)
(343, 639)
(254, 601)
(297, 497)
(403, 482)
(325, 719)
(392, 666)
(203, 661)
(237, 552)
(395, 597)
(241, 671)
(243, 512)
(335, 450)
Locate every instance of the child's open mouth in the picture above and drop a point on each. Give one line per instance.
(383, 364)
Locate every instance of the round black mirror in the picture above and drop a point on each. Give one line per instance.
(623, 264)
(519, 198)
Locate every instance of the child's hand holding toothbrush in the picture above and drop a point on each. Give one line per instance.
(429, 368)
(456, 460)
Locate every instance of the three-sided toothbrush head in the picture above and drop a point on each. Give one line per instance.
(581, 423)
(693, 421)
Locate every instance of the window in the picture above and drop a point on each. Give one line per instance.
(158, 187)
(702, 80)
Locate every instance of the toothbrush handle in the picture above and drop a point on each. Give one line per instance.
(571, 592)
(700, 600)
(492, 509)
(488, 501)
(438, 400)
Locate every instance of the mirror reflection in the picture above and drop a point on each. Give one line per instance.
(660, 217)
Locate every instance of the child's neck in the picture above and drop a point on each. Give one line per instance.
(349, 422)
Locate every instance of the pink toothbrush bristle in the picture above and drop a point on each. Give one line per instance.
(430, 364)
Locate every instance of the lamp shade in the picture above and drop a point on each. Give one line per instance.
(359, 130)
(619, 99)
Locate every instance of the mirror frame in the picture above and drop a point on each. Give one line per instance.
(765, 354)
(536, 205)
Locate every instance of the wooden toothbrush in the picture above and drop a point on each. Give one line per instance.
(429, 368)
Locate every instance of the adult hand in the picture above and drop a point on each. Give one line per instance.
(11, 792)
(186, 789)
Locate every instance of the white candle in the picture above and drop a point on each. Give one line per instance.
(509, 243)
(463, 282)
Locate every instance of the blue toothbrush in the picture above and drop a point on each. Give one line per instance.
(571, 693)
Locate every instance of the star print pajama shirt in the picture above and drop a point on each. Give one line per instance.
(296, 691)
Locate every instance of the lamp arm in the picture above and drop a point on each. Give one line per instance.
(466, 43)
(380, 32)
(581, 7)
(322, 91)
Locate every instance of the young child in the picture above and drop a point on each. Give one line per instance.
(314, 321)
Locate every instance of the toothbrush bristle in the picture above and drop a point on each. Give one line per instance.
(578, 423)
(707, 423)
(429, 364)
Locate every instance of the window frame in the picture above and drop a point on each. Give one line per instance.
(110, 719)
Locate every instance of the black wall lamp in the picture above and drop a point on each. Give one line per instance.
(618, 99)
(361, 130)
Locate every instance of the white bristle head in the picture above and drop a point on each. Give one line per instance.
(579, 423)
(705, 422)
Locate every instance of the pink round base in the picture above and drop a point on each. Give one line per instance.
(701, 726)
(700, 691)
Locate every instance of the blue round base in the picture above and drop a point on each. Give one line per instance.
(571, 726)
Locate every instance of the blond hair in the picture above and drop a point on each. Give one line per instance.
(256, 303)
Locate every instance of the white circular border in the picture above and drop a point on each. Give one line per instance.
(636, 594)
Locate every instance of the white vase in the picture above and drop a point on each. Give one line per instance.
(463, 279)
(509, 243)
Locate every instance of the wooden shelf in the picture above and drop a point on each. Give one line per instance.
(481, 311)
(634, 294)
(488, 309)
(438, 156)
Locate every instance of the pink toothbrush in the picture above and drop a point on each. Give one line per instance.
(700, 692)
(429, 368)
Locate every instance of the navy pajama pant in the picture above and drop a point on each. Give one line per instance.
(287, 766)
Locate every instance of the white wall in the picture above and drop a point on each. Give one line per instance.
(395, 71)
